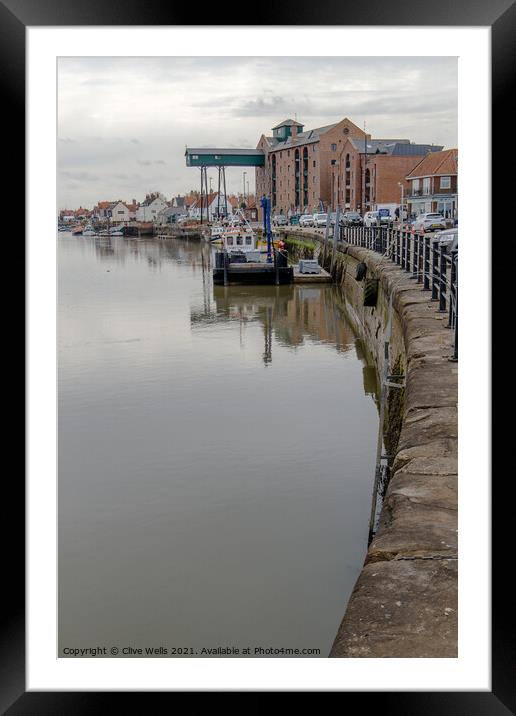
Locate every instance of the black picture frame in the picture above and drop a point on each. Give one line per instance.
(15, 16)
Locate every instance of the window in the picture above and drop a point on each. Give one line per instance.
(333, 147)
(314, 162)
(239, 240)
(195, 156)
(415, 185)
(248, 240)
(445, 182)
(229, 241)
(426, 185)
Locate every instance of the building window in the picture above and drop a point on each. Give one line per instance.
(415, 185)
(314, 162)
(426, 186)
(333, 147)
(445, 182)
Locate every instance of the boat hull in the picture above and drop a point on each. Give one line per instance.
(250, 273)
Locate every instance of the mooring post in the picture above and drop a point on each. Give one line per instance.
(225, 267)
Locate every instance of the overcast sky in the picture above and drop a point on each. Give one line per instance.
(123, 123)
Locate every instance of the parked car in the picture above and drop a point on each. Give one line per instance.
(429, 222)
(372, 218)
(352, 218)
(279, 220)
(306, 220)
(294, 219)
(448, 239)
(320, 219)
(333, 219)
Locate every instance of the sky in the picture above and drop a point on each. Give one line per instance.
(124, 123)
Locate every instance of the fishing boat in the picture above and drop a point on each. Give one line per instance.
(115, 231)
(242, 260)
(77, 230)
(238, 238)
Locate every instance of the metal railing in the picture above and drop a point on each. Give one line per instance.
(428, 263)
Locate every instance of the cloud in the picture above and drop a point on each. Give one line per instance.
(150, 162)
(109, 108)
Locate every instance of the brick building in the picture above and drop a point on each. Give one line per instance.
(338, 164)
(369, 173)
(433, 184)
(297, 171)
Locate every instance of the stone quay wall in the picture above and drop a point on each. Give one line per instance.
(404, 603)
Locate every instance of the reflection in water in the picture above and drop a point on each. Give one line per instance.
(216, 453)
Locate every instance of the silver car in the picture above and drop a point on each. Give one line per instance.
(320, 219)
(306, 220)
(430, 222)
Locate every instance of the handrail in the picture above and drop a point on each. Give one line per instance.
(427, 262)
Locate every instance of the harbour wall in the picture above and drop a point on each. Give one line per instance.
(404, 603)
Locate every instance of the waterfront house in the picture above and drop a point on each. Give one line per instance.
(150, 208)
(433, 185)
(119, 212)
(212, 206)
(132, 208)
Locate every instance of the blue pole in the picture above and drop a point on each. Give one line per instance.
(266, 206)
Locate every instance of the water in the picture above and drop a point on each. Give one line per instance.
(216, 454)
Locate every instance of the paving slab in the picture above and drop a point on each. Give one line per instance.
(401, 609)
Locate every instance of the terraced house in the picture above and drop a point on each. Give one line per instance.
(433, 184)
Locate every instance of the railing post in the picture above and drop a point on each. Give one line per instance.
(414, 243)
(420, 258)
(426, 263)
(455, 356)
(451, 301)
(435, 293)
(442, 280)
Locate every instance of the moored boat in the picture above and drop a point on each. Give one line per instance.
(89, 231)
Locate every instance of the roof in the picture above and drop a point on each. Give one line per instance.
(435, 164)
(288, 123)
(224, 152)
(309, 137)
(394, 147)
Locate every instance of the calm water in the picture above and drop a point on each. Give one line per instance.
(216, 454)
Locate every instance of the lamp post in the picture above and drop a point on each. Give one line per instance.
(244, 185)
(400, 184)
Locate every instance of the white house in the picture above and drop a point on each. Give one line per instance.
(119, 212)
(150, 208)
(211, 203)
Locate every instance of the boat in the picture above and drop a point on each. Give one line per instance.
(238, 238)
(242, 260)
(89, 231)
(115, 231)
(77, 230)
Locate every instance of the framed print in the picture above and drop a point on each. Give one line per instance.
(249, 461)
